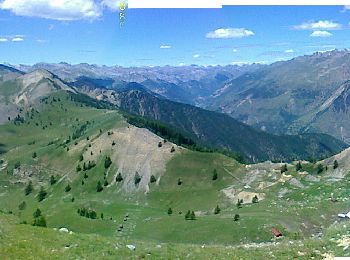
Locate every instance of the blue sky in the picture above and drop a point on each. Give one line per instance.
(151, 37)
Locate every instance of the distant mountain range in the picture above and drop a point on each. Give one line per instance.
(210, 129)
(186, 84)
(306, 94)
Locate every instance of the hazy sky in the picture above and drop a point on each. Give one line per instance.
(78, 31)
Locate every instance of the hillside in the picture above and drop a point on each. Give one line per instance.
(62, 134)
(213, 129)
(305, 94)
(205, 128)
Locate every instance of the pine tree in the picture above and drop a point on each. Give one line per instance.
(255, 199)
(81, 158)
(99, 187)
(217, 210)
(78, 168)
(335, 164)
(236, 217)
(215, 175)
(319, 168)
(22, 206)
(239, 203)
(188, 215)
(284, 168)
(42, 194)
(137, 178)
(34, 155)
(108, 162)
(67, 188)
(193, 216)
(52, 180)
(179, 182)
(101, 215)
(105, 183)
(298, 167)
(170, 211)
(37, 213)
(29, 189)
(153, 179)
(119, 177)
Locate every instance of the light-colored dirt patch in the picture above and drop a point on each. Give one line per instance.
(135, 150)
(229, 192)
(247, 197)
(284, 178)
(296, 183)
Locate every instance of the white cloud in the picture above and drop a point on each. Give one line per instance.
(319, 25)
(182, 64)
(4, 40)
(18, 39)
(239, 63)
(320, 34)
(64, 10)
(235, 50)
(41, 41)
(289, 51)
(196, 56)
(165, 46)
(228, 33)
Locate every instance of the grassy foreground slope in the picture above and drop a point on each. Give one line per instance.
(27, 242)
(57, 132)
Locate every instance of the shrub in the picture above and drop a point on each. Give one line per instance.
(88, 213)
(153, 179)
(40, 222)
(67, 188)
(335, 164)
(17, 165)
(42, 194)
(170, 211)
(22, 206)
(34, 155)
(319, 168)
(52, 180)
(119, 177)
(236, 217)
(255, 199)
(29, 189)
(284, 168)
(99, 187)
(108, 162)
